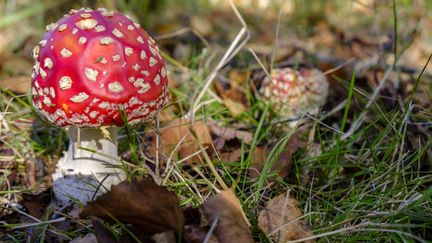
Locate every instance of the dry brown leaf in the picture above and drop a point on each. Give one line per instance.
(16, 84)
(88, 238)
(232, 92)
(235, 108)
(173, 132)
(101, 232)
(201, 24)
(37, 204)
(164, 237)
(231, 156)
(230, 133)
(238, 78)
(198, 234)
(282, 164)
(149, 208)
(232, 225)
(167, 114)
(279, 220)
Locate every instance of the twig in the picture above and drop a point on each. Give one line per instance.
(39, 222)
(239, 41)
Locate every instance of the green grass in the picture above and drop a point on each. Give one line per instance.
(373, 186)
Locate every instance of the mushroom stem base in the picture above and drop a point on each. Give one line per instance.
(89, 167)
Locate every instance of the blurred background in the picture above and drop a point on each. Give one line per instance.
(361, 36)
(331, 30)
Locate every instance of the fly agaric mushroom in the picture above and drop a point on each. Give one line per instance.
(89, 67)
(293, 92)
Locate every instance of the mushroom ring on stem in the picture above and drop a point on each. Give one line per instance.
(91, 66)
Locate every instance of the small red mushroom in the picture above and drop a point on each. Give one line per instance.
(295, 92)
(90, 66)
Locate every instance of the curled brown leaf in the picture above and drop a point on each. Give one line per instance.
(280, 220)
(146, 206)
(180, 137)
(232, 225)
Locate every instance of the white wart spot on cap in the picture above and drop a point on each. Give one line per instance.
(116, 58)
(102, 60)
(143, 55)
(136, 67)
(86, 24)
(62, 27)
(156, 80)
(128, 51)
(36, 67)
(143, 87)
(65, 53)
(115, 87)
(104, 105)
(65, 83)
(85, 15)
(163, 72)
(145, 72)
(106, 41)
(93, 114)
(130, 27)
(35, 52)
(82, 40)
(74, 31)
(91, 74)
(107, 14)
(42, 42)
(137, 25)
(99, 28)
(47, 101)
(81, 97)
(48, 63)
(52, 92)
(117, 33)
(140, 39)
(151, 40)
(52, 26)
(42, 73)
(152, 62)
(153, 51)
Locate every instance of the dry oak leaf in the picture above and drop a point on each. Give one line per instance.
(16, 84)
(228, 133)
(149, 208)
(173, 132)
(232, 225)
(283, 162)
(102, 233)
(88, 238)
(195, 234)
(279, 220)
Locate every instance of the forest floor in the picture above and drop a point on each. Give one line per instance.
(229, 167)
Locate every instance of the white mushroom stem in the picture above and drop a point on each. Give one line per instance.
(89, 167)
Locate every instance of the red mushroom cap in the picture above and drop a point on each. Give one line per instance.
(93, 63)
(293, 91)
